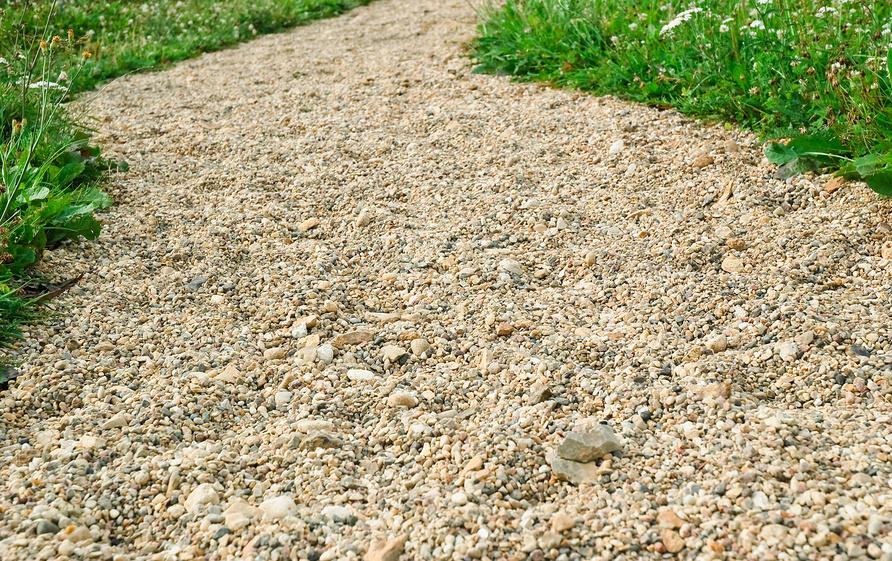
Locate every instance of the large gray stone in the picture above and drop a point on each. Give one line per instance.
(593, 443)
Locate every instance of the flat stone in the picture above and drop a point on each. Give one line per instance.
(360, 375)
(402, 399)
(574, 472)
(276, 508)
(672, 541)
(511, 266)
(46, 527)
(320, 439)
(387, 550)
(561, 522)
(392, 353)
(587, 446)
(667, 518)
(732, 264)
(352, 338)
(275, 353)
(419, 346)
(118, 420)
(308, 224)
(201, 497)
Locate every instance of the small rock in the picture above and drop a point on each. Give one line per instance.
(392, 353)
(737, 244)
(539, 392)
(617, 147)
(732, 264)
(389, 550)
(46, 527)
(574, 472)
(550, 540)
(886, 251)
(402, 399)
(511, 266)
(731, 147)
(788, 352)
(360, 375)
(325, 353)
(667, 518)
(66, 548)
(77, 534)
(105, 346)
(717, 344)
(459, 498)
(805, 338)
(590, 445)
(561, 522)
(336, 513)
(117, 420)
(276, 508)
(504, 329)
(217, 299)
(200, 497)
(239, 515)
(352, 338)
(591, 258)
(773, 534)
(308, 224)
(330, 306)
(419, 346)
(320, 439)
(713, 391)
(834, 184)
(274, 353)
(672, 541)
(283, 398)
(702, 161)
(364, 218)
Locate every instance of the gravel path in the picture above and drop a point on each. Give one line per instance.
(352, 292)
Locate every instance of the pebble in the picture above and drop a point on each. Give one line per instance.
(386, 550)
(275, 353)
(732, 264)
(276, 508)
(597, 441)
(325, 353)
(402, 399)
(672, 541)
(561, 522)
(200, 497)
(419, 346)
(46, 527)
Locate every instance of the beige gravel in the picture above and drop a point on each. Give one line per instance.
(352, 298)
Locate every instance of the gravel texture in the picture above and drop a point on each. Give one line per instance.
(353, 299)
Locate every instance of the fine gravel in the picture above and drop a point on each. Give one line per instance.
(355, 301)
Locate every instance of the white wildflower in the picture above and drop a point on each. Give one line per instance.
(825, 10)
(3, 61)
(723, 28)
(757, 24)
(679, 19)
(47, 86)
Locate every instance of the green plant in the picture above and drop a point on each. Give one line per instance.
(787, 69)
(48, 171)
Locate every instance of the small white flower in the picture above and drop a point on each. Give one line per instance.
(43, 84)
(825, 10)
(3, 61)
(757, 24)
(723, 28)
(679, 19)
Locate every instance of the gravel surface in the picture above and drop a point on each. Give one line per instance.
(357, 302)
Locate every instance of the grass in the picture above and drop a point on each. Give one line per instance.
(816, 74)
(50, 173)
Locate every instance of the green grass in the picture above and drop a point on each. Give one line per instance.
(136, 35)
(816, 73)
(50, 173)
